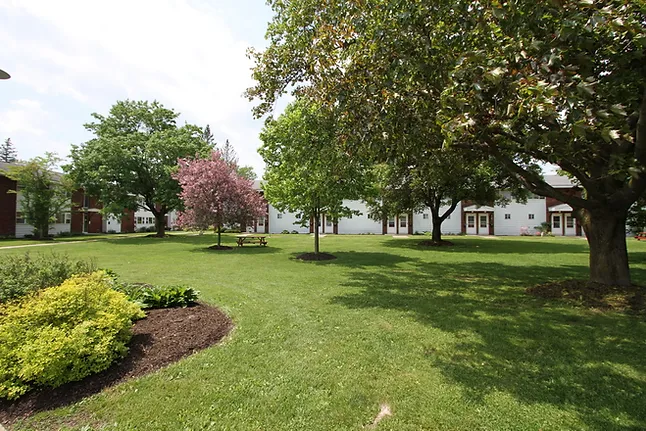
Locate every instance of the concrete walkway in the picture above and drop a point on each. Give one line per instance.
(48, 244)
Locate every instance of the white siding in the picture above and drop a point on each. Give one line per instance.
(286, 222)
(23, 229)
(111, 223)
(359, 223)
(519, 217)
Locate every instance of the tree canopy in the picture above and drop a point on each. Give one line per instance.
(551, 81)
(43, 192)
(8, 153)
(306, 173)
(214, 194)
(130, 161)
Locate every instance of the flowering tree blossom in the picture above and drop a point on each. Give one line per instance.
(214, 194)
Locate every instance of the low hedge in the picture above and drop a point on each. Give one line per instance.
(149, 296)
(63, 333)
(23, 274)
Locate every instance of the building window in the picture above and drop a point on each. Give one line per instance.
(63, 218)
(20, 218)
(403, 220)
(86, 201)
(328, 222)
(483, 221)
(471, 221)
(530, 216)
(425, 216)
(261, 221)
(569, 222)
(507, 216)
(150, 220)
(140, 220)
(556, 222)
(279, 216)
(391, 222)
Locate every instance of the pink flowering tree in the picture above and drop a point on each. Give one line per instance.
(214, 194)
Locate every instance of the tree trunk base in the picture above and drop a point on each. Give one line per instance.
(220, 247)
(315, 256)
(156, 235)
(593, 295)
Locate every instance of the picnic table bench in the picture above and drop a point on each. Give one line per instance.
(640, 236)
(251, 239)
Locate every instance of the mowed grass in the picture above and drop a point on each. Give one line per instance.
(446, 337)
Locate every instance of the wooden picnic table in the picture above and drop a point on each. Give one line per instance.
(251, 239)
(640, 236)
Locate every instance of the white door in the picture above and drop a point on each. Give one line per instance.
(391, 225)
(483, 223)
(570, 225)
(557, 228)
(471, 224)
(403, 224)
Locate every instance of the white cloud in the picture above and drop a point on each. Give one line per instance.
(22, 117)
(93, 53)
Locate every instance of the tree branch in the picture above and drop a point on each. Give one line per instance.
(535, 183)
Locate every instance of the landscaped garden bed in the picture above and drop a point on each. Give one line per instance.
(163, 337)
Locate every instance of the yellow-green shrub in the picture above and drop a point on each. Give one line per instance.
(63, 333)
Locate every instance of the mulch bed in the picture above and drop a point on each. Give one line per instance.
(431, 243)
(315, 256)
(220, 247)
(163, 337)
(594, 295)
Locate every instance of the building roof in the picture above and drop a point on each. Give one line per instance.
(561, 208)
(478, 208)
(560, 181)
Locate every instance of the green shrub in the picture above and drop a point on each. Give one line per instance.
(149, 296)
(285, 231)
(22, 274)
(63, 333)
(142, 229)
(295, 232)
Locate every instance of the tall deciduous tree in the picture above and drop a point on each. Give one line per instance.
(8, 153)
(553, 81)
(230, 156)
(306, 172)
(215, 195)
(130, 162)
(43, 192)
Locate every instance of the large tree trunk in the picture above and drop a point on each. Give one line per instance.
(437, 228)
(606, 232)
(160, 224)
(317, 218)
(219, 228)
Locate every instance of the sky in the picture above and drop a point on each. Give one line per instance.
(69, 58)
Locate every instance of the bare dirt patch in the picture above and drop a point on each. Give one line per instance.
(163, 337)
(431, 243)
(594, 295)
(316, 256)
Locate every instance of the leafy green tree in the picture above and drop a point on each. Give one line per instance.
(551, 81)
(440, 178)
(43, 192)
(130, 162)
(8, 153)
(306, 172)
(208, 136)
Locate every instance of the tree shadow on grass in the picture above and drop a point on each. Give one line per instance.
(535, 350)
(244, 250)
(359, 259)
(479, 245)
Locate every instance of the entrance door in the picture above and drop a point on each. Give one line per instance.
(557, 229)
(570, 225)
(403, 224)
(483, 224)
(86, 222)
(391, 225)
(471, 224)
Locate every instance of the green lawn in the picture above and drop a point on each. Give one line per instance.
(446, 337)
(11, 242)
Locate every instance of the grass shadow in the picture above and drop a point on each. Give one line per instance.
(359, 259)
(538, 351)
(498, 245)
